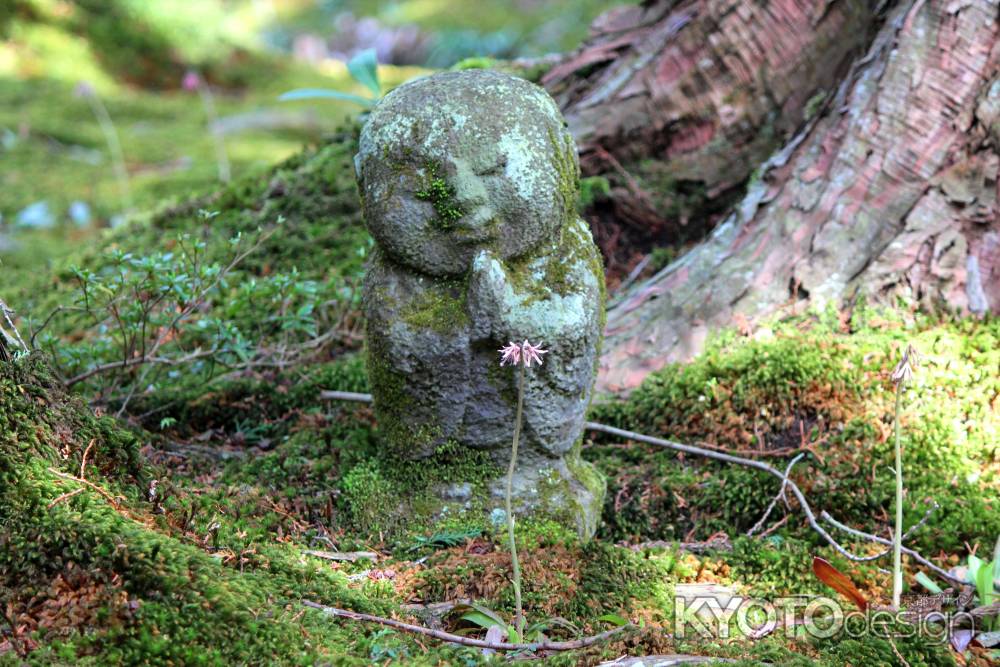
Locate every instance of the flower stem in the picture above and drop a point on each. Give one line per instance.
(221, 158)
(519, 618)
(115, 148)
(897, 536)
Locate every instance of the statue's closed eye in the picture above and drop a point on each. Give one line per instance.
(496, 168)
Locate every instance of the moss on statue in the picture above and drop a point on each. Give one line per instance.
(441, 307)
(396, 404)
(394, 497)
(560, 272)
(441, 196)
(560, 502)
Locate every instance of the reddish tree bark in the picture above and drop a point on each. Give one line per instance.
(678, 102)
(891, 192)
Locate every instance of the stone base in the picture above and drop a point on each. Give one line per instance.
(569, 491)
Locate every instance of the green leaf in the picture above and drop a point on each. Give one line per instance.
(364, 68)
(324, 94)
(512, 635)
(481, 619)
(552, 621)
(974, 564)
(928, 583)
(483, 612)
(984, 583)
(614, 619)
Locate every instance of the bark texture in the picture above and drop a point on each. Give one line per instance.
(676, 103)
(892, 191)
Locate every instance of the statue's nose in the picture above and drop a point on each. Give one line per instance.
(470, 191)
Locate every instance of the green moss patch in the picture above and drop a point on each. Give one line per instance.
(158, 590)
(825, 393)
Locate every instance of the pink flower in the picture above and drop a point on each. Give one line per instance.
(532, 353)
(905, 367)
(84, 89)
(191, 81)
(511, 354)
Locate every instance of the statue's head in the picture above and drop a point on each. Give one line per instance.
(460, 161)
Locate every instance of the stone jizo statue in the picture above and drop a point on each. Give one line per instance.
(469, 184)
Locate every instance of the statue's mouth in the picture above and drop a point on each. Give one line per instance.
(478, 228)
(475, 235)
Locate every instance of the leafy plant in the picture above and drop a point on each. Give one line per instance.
(981, 574)
(141, 318)
(363, 68)
(445, 539)
(486, 618)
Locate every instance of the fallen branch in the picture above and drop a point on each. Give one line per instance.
(345, 396)
(348, 556)
(467, 641)
(796, 491)
(847, 529)
(906, 550)
(781, 496)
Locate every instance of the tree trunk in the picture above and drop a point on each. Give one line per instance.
(890, 192)
(676, 103)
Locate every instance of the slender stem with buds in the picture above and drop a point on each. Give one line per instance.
(221, 157)
(897, 535)
(114, 146)
(519, 618)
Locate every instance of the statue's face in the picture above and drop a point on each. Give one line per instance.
(463, 161)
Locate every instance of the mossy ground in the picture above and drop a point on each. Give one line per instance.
(221, 547)
(253, 471)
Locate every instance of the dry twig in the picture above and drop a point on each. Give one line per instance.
(467, 641)
(65, 496)
(107, 496)
(83, 463)
(781, 496)
(796, 491)
(349, 556)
